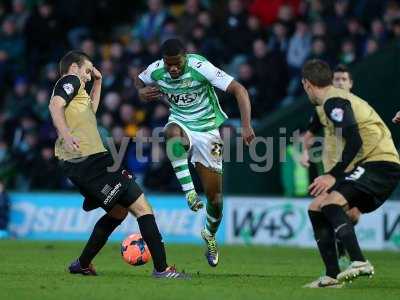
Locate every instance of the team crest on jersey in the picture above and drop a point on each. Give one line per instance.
(337, 114)
(186, 83)
(68, 88)
(216, 150)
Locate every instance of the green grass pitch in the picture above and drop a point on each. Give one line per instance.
(37, 270)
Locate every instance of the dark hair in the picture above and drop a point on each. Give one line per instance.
(317, 72)
(342, 69)
(172, 47)
(71, 57)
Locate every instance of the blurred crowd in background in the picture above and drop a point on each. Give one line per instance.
(263, 44)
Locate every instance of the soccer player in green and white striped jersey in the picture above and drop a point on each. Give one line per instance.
(188, 81)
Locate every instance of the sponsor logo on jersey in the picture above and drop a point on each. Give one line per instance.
(182, 99)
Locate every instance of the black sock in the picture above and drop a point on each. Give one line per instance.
(325, 238)
(153, 239)
(344, 230)
(101, 231)
(340, 248)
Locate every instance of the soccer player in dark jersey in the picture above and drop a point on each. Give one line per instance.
(366, 172)
(341, 79)
(87, 163)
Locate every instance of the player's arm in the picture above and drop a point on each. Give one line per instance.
(243, 100)
(65, 90)
(96, 89)
(339, 111)
(308, 138)
(226, 83)
(144, 83)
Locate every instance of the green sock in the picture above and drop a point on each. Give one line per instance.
(179, 159)
(213, 217)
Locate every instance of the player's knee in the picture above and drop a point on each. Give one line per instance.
(354, 215)
(314, 206)
(140, 207)
(172, 131)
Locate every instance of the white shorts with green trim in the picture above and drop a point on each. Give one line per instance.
(205, 147)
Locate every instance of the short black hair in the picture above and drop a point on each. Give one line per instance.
(172, 47)
(342, 69)
(71, 57)
(317, 72)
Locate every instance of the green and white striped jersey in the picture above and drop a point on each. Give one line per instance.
(193, 101)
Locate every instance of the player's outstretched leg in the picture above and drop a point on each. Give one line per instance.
(177, 153)
(100, 234)
(150, 233)
(212, 184)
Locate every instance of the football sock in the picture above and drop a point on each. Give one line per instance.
(179, 159)
(344, 230)
(101, 231)
(325, 238)
(214, 216)
(152, 237)
(340, 248)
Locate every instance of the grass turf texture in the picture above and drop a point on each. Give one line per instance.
(37, 270)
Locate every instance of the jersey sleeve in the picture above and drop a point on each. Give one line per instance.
(339, 111)
(145, 76)
(214, 75)
(67, 87)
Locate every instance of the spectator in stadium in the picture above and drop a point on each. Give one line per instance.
(4, 212)
(12, 48)
(348, 52)
(188, 19)
(43, 39)
(20, 14)
(299, 47)
(279, 40)
(19, 101)
(273, 85)
(234, 29)
(337, 21)
(149, 24)
(371, 47)
(378, 31)
(356, 33)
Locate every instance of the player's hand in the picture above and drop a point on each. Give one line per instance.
(149, 93)
(71, 142)
(305, 159)
(96, 74)
(321, 184)
(248, 135)
(396, 118)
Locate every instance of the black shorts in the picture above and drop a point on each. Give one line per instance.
(100, 186)
(369, 184)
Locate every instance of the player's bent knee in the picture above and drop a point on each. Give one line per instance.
(314, 206)
(173, 130)
(334, 198)
(140, 207)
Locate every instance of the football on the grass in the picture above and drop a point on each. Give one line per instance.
(134, 250)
